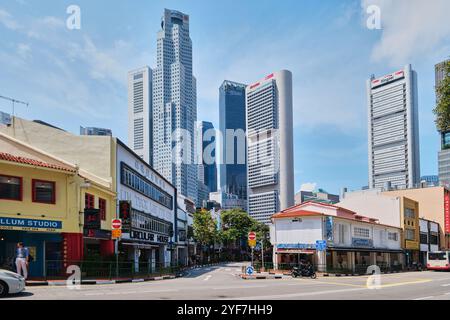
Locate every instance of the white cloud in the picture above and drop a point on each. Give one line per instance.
(309, 186)
(24, 50)
(410, 27)
(7, 20)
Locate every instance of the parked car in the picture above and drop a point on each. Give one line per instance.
(10, 283)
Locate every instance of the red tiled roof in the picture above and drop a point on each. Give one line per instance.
(297, 213)
(32, 162)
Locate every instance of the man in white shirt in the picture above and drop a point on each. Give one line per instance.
(22, 258)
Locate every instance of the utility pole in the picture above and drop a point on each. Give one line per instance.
(14, 101)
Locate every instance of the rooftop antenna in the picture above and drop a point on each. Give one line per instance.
(14, 101)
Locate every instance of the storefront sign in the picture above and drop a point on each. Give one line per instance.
(357, 242)
(97, 234)
(447, 212)
(296, 246)
(411, 245)
(92, 219)
(148, 236)
(29, 224)
(329, 229)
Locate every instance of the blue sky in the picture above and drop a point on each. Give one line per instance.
(78, 77)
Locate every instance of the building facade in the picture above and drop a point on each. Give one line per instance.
(270, 154)
(175, 105)
(227, 201)
(149, 233)
(233, 167)
(444, 153)
(350, 242)
(93, 131)
(317, 196)
(140, 113)
(429, 239)
(393, 130)
(208, 147)
(62, 214)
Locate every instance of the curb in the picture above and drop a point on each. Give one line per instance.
(245, 277)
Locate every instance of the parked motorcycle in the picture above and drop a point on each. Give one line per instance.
(306, 271)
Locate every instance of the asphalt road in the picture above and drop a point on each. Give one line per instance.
(223, 282)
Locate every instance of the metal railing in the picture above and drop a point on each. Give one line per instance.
(108, 270)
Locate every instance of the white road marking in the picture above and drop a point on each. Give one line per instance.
(239, 287)
(158, 291)
(424, 298)
(293, 295)
(445, 285)
(207, 278)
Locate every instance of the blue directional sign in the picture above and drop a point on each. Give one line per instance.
(249, 270)
(321, 245)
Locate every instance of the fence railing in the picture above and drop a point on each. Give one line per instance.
(108, 270)
(358, 269)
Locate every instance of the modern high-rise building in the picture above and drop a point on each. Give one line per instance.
(444, 153)
(93, 131)
(209, 167)
(393, 130)
(270, 149)
(140, 125)
(233, 172)
(175, 105)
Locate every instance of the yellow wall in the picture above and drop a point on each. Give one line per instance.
(110, 204)
(65, 209)
(410, 223)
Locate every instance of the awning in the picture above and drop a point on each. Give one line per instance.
(140, 245)
(382, 250)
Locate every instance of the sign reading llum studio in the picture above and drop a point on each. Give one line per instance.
(29, 224)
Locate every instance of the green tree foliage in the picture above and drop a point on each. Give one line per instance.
(442, 109)
(205, 228)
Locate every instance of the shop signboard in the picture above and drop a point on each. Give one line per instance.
(145, 236)
(7, 223)
(447, 212)
(321, 245)
(296, 246)
(358, 242)
(412, 245)
(97, 234)
(92, 219)
(329, 229)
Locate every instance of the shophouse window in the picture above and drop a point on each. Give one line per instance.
(423, 238)
(89, 201)
(362, 232)
(44, 191)
(409, 234)
(393, 236)
(434, 239)
(409, 213)
(102, 208)
(10, 188)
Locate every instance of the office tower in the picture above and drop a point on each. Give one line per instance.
(393, 130)
(444, 153)
(175, 105)
(93, 131)
(270, 151)
(140, 125)
(233, 172)
(208, 167)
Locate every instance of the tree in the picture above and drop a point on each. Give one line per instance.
(442, 109)
(235, 225)
(205, 229)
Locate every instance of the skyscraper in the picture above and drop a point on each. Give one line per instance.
(175, 105)
(209, 168)
(233, 173)
(93, 131)
(140, 125)
(444, 153)
(393, 130)
(270, 150)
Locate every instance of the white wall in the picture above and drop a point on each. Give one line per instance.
(372, 204)
(308, 231)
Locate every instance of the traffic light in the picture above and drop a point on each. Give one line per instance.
(124, 210)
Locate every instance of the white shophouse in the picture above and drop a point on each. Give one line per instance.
(353, 242)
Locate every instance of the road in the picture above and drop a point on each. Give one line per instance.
(223, 282)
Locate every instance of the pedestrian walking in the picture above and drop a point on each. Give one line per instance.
(22, 260)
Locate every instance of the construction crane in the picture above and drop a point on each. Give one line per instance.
(14, 101)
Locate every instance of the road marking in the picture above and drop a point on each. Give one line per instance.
(207, 278)
(158, 291)
(404, 283)
(424, 298)
(294, 295)
(239, 287)
(445, 285)
(447, 294)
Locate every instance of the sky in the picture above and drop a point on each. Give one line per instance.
(78, 77)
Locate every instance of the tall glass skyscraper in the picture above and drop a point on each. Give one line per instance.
(209, 169)
(175, 105)
(444, 153)
(233, 174)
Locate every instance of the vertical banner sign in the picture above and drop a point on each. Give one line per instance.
(447, 212)
(329, 229)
